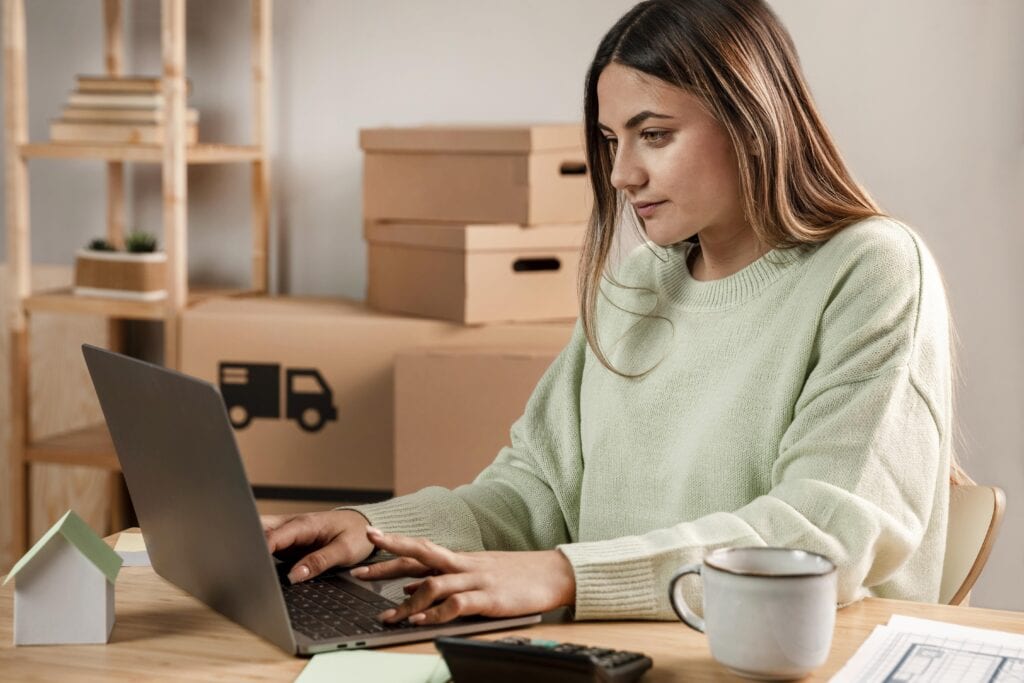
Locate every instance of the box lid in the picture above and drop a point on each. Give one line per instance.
(283, 306)
(509, 139)
(545, 348)
(301, 309)
(477, 236)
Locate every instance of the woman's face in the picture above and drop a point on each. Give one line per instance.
(673, 161)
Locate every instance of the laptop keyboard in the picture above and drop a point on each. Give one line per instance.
(324, 608)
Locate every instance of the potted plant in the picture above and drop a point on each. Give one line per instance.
(139, 273)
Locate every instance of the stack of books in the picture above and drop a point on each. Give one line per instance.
(117, 109)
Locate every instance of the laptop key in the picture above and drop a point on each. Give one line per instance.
(350, 629)
(333, 607)
(367, 624)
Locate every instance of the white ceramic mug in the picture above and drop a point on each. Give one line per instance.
(769, 613)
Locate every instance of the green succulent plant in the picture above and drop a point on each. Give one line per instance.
(100, 244)
(139, 242)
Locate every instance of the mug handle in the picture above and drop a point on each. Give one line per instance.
(675, 596)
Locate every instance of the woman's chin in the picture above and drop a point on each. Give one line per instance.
(667, 238)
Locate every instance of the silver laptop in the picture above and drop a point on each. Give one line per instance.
(198, 517)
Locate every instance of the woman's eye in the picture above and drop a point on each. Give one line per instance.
(654, 135)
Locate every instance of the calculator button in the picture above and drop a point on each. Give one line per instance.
(544, 643)
(514, 640)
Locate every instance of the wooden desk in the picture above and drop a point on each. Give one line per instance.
(163, 634)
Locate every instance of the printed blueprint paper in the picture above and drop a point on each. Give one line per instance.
(911, 650)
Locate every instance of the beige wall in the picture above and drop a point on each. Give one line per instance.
(926, 100)
(925, 97)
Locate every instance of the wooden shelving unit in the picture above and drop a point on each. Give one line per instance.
(64, 301)
(92, 446)
(153, 154)
(89, 447)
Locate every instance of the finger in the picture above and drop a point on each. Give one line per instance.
(391, 569)
(458, 605)
(271, 522)
(296, 531)
(411, 587)
(319, 561)
(422, 549)
(431, 590)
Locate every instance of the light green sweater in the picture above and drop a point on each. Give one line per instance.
(803, 402)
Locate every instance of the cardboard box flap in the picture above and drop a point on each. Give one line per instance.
(477, 237)
(470, 139)
(287, 307)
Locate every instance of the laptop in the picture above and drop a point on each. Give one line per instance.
(203, 534)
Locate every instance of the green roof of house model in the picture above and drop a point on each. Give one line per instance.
(74, 529)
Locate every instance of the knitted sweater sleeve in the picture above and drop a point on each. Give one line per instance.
(528, 496)
(860, 468)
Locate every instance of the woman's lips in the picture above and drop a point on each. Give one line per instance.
(647, 210)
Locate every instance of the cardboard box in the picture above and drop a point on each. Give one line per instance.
(454, 407)
(527, 175)
(309, 384)
(474, 273)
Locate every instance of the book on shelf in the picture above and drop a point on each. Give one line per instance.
(118, 133)
(126, 84)
(110, 115)
(116, 100)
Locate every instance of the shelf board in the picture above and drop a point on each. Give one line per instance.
(194, 154)
(65, 301)
(90, 446)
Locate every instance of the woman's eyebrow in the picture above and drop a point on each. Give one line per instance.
(636, 120)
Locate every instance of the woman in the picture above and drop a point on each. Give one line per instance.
(771, 368)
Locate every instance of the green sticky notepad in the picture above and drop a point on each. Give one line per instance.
(358, 666)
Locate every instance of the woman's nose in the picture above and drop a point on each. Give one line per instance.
(627, 172)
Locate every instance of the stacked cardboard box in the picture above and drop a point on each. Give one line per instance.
(309, 385)
(340, 401)
(454, 405)
(476, 224)
(117, 109)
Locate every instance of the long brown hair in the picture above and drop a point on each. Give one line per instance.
(740, 62)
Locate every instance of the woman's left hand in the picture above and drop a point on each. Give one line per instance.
(493, 584)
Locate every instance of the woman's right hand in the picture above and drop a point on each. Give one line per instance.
(321, 539)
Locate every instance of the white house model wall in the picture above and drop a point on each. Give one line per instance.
(62, 597)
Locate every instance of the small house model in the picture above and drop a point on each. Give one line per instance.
(64, 587)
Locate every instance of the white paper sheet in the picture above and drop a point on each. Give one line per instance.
(912, 650)
(132, 549)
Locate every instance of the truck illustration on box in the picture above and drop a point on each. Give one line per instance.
(253, 390)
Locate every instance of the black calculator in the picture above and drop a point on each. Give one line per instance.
(517, 659)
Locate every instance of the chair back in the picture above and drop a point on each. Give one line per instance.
(975, 513)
